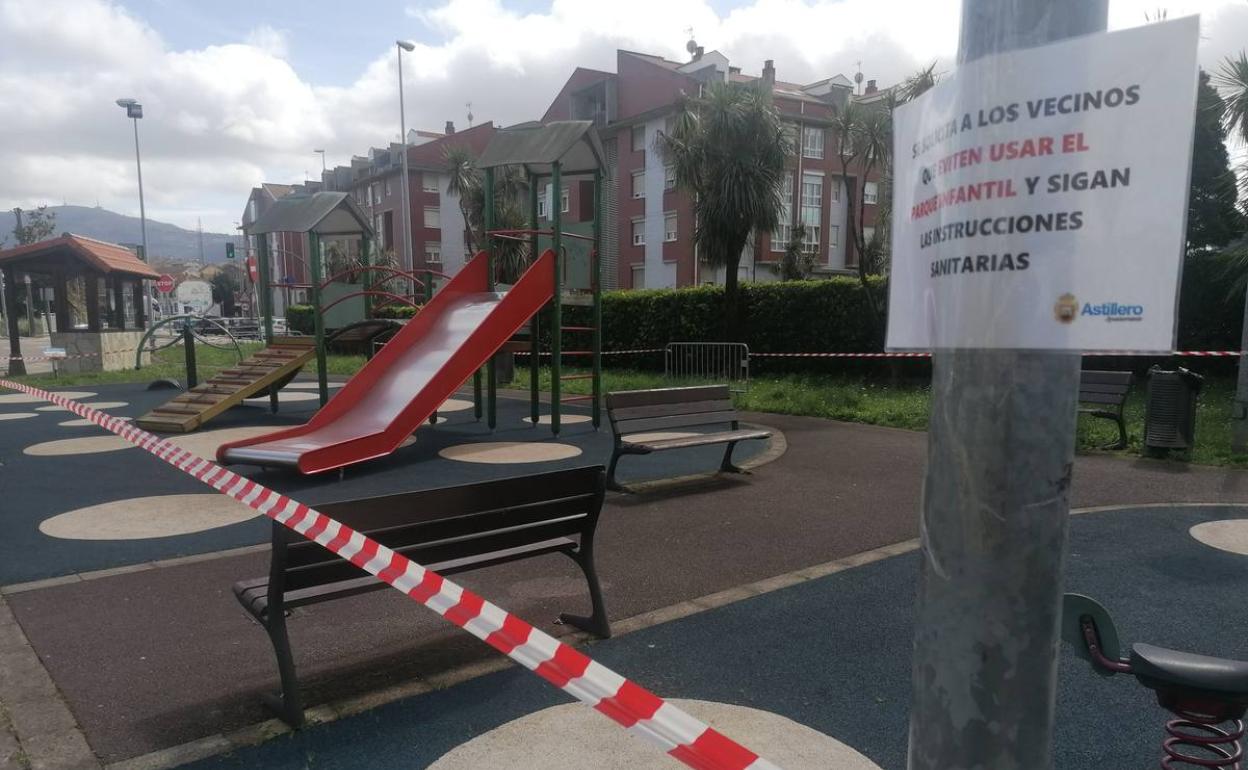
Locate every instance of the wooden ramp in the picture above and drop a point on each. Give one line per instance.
(272, 367)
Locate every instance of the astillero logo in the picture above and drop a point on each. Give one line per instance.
(1113, 311)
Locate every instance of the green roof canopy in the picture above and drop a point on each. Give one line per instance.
(323, 213)
(572, 143)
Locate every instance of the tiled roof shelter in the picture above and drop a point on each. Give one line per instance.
(97, 288)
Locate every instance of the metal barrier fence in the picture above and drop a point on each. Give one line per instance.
(724, 361)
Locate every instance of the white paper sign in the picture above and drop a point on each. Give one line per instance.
(1040, 197)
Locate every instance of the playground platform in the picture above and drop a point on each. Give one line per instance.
(745, 600)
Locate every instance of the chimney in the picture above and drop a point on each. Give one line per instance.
(697, 53)
(871, 87)
(450, 124)
(769, 72)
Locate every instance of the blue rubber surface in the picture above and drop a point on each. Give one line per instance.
(834, 654)
(33, 489)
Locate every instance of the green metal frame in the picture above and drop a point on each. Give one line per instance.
(556, 315)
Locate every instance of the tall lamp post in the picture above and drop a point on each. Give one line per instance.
(405, 45)
(134, 111)
(322, 154)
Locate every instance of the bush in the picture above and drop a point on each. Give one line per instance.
(300, 318)
(398, 312)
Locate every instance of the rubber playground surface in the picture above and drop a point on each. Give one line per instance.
(157, 656)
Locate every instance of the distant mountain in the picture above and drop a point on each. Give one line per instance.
(164, 241)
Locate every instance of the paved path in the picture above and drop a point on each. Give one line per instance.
(170, 658)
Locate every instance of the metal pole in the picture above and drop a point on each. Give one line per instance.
(138, 162)
(407, 206)
(595, 266)
(318, 318)
(30, 309)
(995, 506)
(1239, 409)
(491, 369)
(188, 345)
(555, 206)
(534, 324)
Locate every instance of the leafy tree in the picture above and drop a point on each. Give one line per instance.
(1232, 78)
(463, 181)
(1212, 219)
(728, 149)
(797, 264)
(510, 210)
(223, 288)
(37, 225)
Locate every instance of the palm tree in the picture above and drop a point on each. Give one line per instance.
(1232, 79)
(464, 182)
(727, 148)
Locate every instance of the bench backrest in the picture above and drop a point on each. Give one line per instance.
(1104, 387)
(636, 411)
(438, 525)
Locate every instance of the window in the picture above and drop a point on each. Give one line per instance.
(639, 184)
(669, 227)
(639, 276)
(381, 233)
(812, 143)
(376, 188)
(541, 205)
(780, 237)
(834, 190)
(429, 182)
(834, 236)
(669, 178)
(387, 187)
(639, 232)
(564, 204)
(868, 235)
(790, 135)
(433, 217)
(847, 144)
(812, 211)
(639, 138)
(870, 192)
(433, 252)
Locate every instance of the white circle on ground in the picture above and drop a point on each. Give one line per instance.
(100, 405)
(87, 445)
(140, 518)
(564, 419)
(408, 441)
(205, 443)
(285, 397)
(83, 422)
(639, 438)
(541, 739)
(1226, 535)
(454, 405)
(503, 452)
(310, 385)
(17, 415)
(24, 398)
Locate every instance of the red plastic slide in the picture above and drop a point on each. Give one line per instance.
(409, 378)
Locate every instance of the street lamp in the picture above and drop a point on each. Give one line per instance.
(134, 111)
(409, 46)
(322, 154)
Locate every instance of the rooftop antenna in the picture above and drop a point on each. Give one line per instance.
(858, 77)
(692, 45)
(469, 106)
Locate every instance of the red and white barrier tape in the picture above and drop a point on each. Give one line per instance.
(32, 359)
(635, 708)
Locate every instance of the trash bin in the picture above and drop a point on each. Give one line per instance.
(1170, 410)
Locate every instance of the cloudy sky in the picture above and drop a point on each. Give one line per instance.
(236, 92)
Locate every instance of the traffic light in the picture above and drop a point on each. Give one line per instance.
(229, 251)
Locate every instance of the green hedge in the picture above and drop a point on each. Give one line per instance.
(401, 312)
(299, 319)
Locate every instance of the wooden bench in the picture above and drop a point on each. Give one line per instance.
(645, 411)
(447, 530)
(1108, 391)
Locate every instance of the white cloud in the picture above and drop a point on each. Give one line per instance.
(222, 118)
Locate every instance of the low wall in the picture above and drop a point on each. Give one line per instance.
(108, 351)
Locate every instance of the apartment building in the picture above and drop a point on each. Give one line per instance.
(288, 251)
(438, 229)
(648, 223)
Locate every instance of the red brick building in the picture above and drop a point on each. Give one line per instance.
(648, 224)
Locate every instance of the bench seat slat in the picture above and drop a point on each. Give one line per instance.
(1104, 388)
(704, 439)
(664, 410)
(625, 427)
(1103, 398)
(1104, 377)
(622, 399)
(253, 594)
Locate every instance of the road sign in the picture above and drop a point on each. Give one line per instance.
(165, 284)
(253, 274)
(1041, 195)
